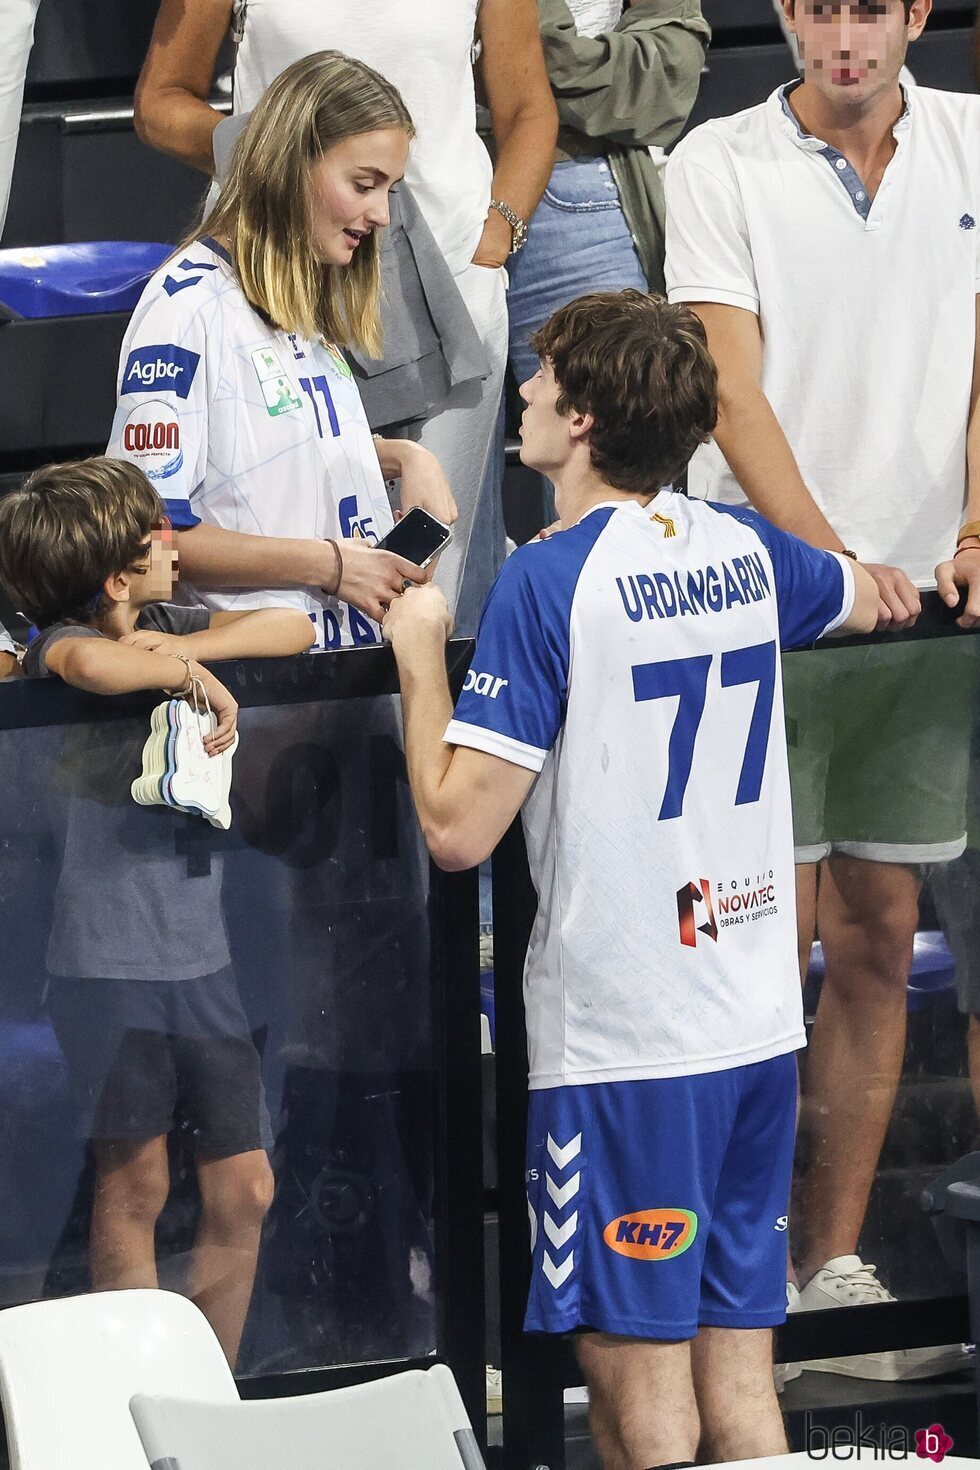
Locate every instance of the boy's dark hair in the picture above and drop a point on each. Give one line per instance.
(642, 369)
(68, 528)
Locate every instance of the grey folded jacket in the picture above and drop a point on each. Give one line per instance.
(430, 342)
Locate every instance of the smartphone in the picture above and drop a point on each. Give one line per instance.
(417, 536)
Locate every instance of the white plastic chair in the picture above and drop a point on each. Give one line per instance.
(69, 1367)
(414, 1420)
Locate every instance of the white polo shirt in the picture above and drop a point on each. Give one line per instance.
(867, 309)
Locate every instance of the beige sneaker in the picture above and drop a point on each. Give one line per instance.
(783, 1373)
(847, 1281)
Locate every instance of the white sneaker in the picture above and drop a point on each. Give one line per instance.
(847, 1281)
(783, 1373)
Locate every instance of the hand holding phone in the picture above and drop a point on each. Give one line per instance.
(418, 537)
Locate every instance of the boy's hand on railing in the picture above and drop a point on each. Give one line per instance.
(959, 573)
(899, 604)
(224, 708)
(154, 641)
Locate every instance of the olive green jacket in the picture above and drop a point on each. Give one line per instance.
(626, 89)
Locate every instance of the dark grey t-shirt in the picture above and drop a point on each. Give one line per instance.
(132, 901)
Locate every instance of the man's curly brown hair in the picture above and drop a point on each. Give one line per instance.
(642, 369)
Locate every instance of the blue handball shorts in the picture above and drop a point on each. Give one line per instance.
(660, 1206)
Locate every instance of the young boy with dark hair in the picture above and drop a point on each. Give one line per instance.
(142, 994)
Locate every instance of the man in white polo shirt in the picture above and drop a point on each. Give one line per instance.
(829, 240)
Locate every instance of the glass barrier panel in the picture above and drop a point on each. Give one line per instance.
(217, 1062)
(884, 744)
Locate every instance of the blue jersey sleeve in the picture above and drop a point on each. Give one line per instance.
(513, 700)
(814, 589)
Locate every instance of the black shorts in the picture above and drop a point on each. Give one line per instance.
(144, 1054)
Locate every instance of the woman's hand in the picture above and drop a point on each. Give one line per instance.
(372, 578)
(423, 483)
(494, 245)
(422, 480)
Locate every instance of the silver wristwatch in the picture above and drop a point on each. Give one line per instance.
(517, 225)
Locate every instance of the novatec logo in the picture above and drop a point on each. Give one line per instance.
(694, 903)
(162, 367)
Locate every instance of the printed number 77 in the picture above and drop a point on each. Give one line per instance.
(686, 680)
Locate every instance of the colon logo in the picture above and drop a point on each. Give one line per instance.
(162, 367)
(151, 439)
(652, 1235)
(694, 903)
(932, 1443)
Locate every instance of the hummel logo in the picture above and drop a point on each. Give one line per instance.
(968, 222)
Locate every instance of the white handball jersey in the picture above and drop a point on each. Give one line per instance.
(245, 427)
(633, 660)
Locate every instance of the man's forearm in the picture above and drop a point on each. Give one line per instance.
(427, 708)
(749, 435)
(213, 557)
(178, 123)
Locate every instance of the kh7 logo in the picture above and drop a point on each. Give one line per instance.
(652, 1235)
(688, 897)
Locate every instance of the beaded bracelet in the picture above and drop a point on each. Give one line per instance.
(180, 693)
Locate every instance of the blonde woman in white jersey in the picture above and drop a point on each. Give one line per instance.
(425, 48)
(234, 396)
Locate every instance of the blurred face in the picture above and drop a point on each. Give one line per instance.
(160, 564)
(545, 439)
(349, 191)
(854, 49)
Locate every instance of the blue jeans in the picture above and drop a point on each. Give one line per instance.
(578, 241)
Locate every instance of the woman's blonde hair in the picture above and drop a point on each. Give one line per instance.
(263, 210)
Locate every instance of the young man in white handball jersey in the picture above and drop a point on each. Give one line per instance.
(625, 693)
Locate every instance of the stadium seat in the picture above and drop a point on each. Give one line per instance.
(77, 280)
(414, 1420)
(69, 1367)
